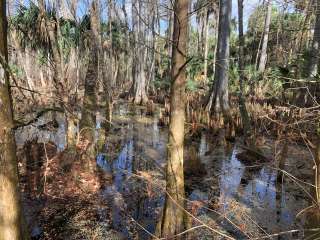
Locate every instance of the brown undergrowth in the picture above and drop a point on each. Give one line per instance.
(62, 201)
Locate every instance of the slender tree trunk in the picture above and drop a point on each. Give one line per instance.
(317, 176)
(264, 56)
(169, 36)
(216, 22)
(242, 103)
(152, 52)
(57, 65)
(109, 82)
(88, 118)
(10, 206)
(307, 12)
(206, 44)
(313, 63)
(173, 220)
(219, 98)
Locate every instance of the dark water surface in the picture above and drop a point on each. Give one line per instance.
(222, 188)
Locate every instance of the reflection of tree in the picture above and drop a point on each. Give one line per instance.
(194, 170)
(278, 188)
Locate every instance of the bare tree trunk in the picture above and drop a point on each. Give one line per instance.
(307, 12)
(206, 44)
(173, 219)
(88, 118)
(219, 98)
(170, 13)
(313, 62)
(242, 103)
(109, 82)
(10, 207)
(216, 32)
(317, 168)
(152, 45)
(264, 56)
(56, 55)
(138, 89)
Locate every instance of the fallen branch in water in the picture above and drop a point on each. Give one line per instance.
(36, 118)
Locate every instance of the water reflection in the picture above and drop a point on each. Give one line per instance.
(213, 173)
(44, 131)
(250, 197)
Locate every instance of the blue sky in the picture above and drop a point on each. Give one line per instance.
(249, 6)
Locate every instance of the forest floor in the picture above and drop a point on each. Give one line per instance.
(120, 194)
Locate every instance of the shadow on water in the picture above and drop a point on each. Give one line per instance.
(135, 145)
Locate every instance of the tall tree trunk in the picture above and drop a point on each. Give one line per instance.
(173, 220)
(219, 98)
(10, 208)
(242, 103)
(313, 62)
(169, 35)
(56, 55)
(206, 43)
(264, 56)
(317, 168)
(152, 45)
(109, 82)
(88, 116)
(138, 89)
(300, 41)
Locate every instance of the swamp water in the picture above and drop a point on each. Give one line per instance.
(243, 201)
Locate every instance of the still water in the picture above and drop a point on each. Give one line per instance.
(240, 199)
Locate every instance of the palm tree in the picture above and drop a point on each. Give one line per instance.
(36, 29)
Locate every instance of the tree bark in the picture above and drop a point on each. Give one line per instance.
(173, 219)
(317, 176)
(242, 103)
(264, 56)
(206, 44)
(219, 97)
(313, 63)
(56, 55)
(138, 88)
(10, 206)
(88, 116)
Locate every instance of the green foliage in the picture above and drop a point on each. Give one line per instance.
(274, 82)
(191, 85)
(282, 36)
(32, 32)
(16, 70)
(194, 67)
(233, 78)
(73, 34)
(161, 83)
(30, 26)
(42, 58)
